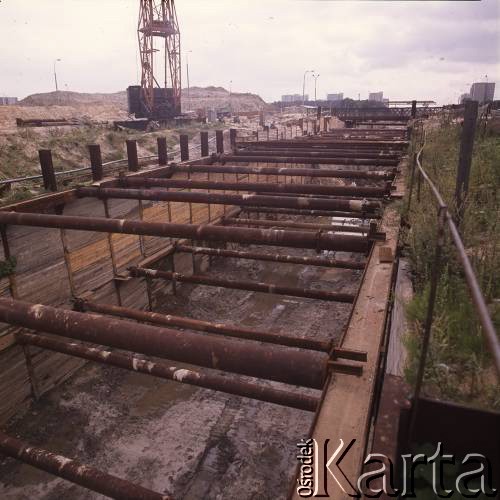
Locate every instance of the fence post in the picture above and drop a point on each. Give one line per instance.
(465, 157)
(413, 109)
(133, 160)
(204, 143)
(219, 140)
(49, 176)
(95, 162)
(162, 151)
(184, 143)
(436, 268)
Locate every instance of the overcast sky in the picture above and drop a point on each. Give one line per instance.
(408, 49)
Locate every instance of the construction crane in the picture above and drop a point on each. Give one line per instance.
(159, 95)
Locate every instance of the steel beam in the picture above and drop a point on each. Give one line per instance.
(203, 232)
(229, 385)
(76, 472)
(287, 259)
(270, 187)
(291, 172)
(283, 364)
(203, 326)
(241, 200)
(253, 286)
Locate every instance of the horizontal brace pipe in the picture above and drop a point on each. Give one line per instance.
(253, 286)
(288, 259)
(282, 364)
(216, 382)
(290, 172)
(203, 232)
(311, 153)
(270, 187)
(228, 199)
(376, 162)
(313, 213)
(76, 472)
(329, 144)
(234, 221)
(203, 326)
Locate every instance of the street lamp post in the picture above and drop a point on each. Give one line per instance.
(315, 85)
(55, 74)
(304, 86)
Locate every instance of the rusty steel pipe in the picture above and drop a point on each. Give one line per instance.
(283, 364)
(76, 472)
(369, 162)
(203, 232)
(291, 172)
(270, 187)
(203, 326)
(200, 279)
(288, 259)
(228, 199)
(328, 144)
(233, 221)
(313, 213)
(311, 153)
(216, 382)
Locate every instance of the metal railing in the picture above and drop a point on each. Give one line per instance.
(445, 220)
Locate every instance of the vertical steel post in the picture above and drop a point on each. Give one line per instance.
(184, 144)
(232, 137)
(204, 143)
(465, 158)
(436, 268)
(49, 176)
(96, 162)
(412, 178)
(133, 160)
(413, 109)
(162, 150)
(219, 141)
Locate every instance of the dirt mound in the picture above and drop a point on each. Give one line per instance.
(66, 98)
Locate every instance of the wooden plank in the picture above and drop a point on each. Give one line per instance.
(345, 412)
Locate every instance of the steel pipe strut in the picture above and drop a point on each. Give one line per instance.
(308, 160)
(271, 187)
(290, 172)
(311, 153)
(203, 232)
(288, 259)
(313, 213)
(241, 200)
(242, 285)
(76, 472)
(203, 326)
(236, 221)
(216, 382)
(283, 364)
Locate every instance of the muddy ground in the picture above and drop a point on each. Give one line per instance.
(191, 443)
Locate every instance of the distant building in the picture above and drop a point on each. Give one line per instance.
(376, 96)
(8, 101)
(293, 98)
(335, 97)
(385, 101)
(482, 92)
